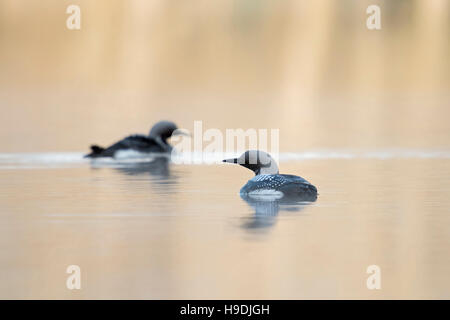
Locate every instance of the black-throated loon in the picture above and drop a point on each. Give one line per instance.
(268, 182)
(137, 144)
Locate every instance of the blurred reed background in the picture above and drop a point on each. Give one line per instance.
(310, 68)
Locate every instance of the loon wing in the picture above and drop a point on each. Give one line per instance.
(136, 142)
(302, 187)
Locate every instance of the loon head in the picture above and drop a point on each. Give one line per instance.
(162, 130)
(259, 162)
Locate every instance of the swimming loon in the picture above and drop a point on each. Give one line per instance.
(155, 142)
(268, 182)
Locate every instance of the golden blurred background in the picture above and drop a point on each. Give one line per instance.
(310, 68)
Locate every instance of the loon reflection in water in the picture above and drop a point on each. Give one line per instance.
(155, 172)
(158, 167)
(266, 209)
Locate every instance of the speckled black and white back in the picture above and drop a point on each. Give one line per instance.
(280, 185)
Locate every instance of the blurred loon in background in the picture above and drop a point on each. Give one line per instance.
(268, 182)
(139, 145)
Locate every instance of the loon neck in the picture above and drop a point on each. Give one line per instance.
(162, 142)
(272, 169)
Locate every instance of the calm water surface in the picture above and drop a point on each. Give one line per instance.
(181, 231)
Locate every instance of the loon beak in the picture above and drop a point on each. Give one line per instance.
(233, 160)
